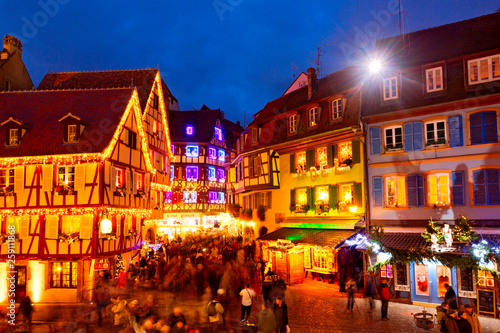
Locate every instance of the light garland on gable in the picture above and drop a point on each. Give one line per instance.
(143, 213)
(161, 187)
(7, 162)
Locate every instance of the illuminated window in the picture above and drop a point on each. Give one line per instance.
(66, 175)
(313, 117)
(120, 178)
(192, 151)
(394, 138)
(172, 169)
(189, 130)
(72, 133)
(212, 153)
(435, 133)
(484, 69)
(485, 279)
(386, 271)
(211, 174)
(346, 194)
(390, 88)
(156, 126)
(6, 177)
(337, 109)
(322, 195)
(222, 155)
(345, 153)
(222, 197)
(64, 274)
(191, 173)
(168, 197)
(292, 123)
(301, 198)
(434, 79)
(221, 175)
(13, 136)
(321, 156)
(320, 258)
(212, 197)
(189, 196)
(218, 133)
(140, 181)
(156, 101)
(300, 161)
(439, 189)
(395, 191)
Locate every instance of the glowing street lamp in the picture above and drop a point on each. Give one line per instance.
(375, 66)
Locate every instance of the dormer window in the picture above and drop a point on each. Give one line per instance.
(73, 128)
(255, 135)
(313, 117)
(72, 133)
(13, 137)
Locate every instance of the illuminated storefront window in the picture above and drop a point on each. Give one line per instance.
(321, 156)
(345, 153)
(485, 279)
(386, 271)
(300, 161)
(301, 196)
(189, 196)
(191, 173)
(212, 153)
(64, 274)
(192, 151)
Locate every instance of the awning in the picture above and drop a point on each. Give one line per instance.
(320, 237)
(321, 223)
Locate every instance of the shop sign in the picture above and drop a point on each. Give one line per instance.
(99, 266)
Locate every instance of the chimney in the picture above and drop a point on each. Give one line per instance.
(311, 81)
(12, 44)
(238, 123)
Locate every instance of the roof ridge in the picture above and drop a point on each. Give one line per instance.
(108, 70)
(59, 90)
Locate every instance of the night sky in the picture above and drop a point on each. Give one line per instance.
(231, 54)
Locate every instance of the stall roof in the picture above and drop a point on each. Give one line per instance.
(320, 237)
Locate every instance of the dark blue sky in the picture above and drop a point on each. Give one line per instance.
(231, 54)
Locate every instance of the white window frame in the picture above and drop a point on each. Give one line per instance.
(435, 131)
(195, 151)
(190, 196)
(393, 136)
(72, 133)
(439, 189)
(13, 137)
(221, 155)
(8, 177)
(292, 123)
(396, 194)
(489, 64)
(337, 109)
(393, 88)
(431, 79)
(120, 178)
(67, 173)
(312, 116)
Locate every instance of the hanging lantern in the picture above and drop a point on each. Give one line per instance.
(106, 226)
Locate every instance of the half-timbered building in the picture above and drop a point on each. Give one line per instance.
(75, 173)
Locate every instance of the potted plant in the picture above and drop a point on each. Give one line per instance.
(261, 213)
(438, 142)
(234, 209)
(348, 161)
(292, 208)
(247, 213)
(392, 147)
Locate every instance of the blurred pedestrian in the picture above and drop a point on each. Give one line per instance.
(247, 296)
(215, 313)
(450, 297)
(281, 314)
(451, 321)
(441, 316)
(120, 313)
(350, 288)
(175, 317)
(267, 320)
(385, 296)
(369, 291)
(473, 319)
(26, 309)
(463, 324)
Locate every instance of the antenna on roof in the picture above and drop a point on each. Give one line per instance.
(155, 65)
(49, 69)
(244, 119)
(294, 68)
(317, 62)
(132, 84)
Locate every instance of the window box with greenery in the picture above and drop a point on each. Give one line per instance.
(7, 191)
(64, 189)
(141, 194)
(261, 213)
(247, 213)
(69, 237)
(111, 236)
(132, 233)
(395, 147)
(302, 209)
(322, 208)
(234, 210)
(434, 143)
(120, 192)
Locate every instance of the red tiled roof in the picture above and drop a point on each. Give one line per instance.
(319, 237)
(101, 108)
(142, 79)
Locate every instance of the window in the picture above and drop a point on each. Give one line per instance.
(337, 109)
(255, 134)
(321, 156)
(322, 195)
(483, 127)
(66, 175)
(301, 161)
(346, 194)
(13, 137)
(390, 88)
(192, 173)
(484, 69)
(320, 259)
(439, 189)
(140, 181)
(218, 133)
(189, 130)
(222, 197)
(257, 165)
(486, 187)
(156, 126)
(394, 138)
(6, 177)
(64, 274)
(120, 178)
(189, 196)
(131, 138)
(211, 174)
(301, 196)
(395, 192)
(313, 117)
(192, 151)
(386, 271)
(221, 175)
(434, 79)
(222, 155)
(435, 133)
(212, 153)
(156, 101)
(212, 197)
(292, 123)
(345, 153)
(485, 279)
(72, 133)
(172, 170)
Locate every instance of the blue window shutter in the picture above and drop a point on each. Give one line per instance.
(455, 131)
(356, 155)
(292, 163)
(457, 188)
(420, 190)
(490, 126)
(479, 187)
(378, 192)
(376, 140)
(476, 128)
(412, 190)
(418, 135)
(493, 195)
(408, 136)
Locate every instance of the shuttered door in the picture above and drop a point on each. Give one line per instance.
(19, 179)
(48, 178)
(86, 226)
(80, 177)
(51, 226)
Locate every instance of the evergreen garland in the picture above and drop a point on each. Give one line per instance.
(120, 266)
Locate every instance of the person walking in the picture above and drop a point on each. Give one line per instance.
(120, 312)
(369, 291)
(385, 296)
(247, 296)
(441, 316)
(281, 315)
(267, 321)
(350, 288)
(26, 309)
(463, 324)
(451, 321)
(450, 297)
(473, 319)
(215, 312)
